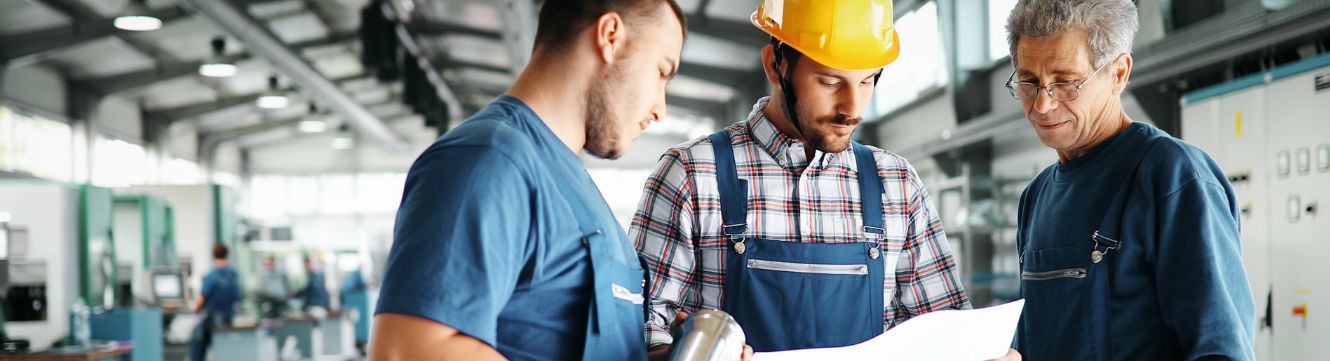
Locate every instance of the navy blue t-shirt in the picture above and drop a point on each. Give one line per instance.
(221, 291)
(490, 239)
(1177, 288)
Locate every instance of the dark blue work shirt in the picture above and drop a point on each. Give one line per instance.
(1175, 287)
(492, 239)
(221, 292)
(315, 292)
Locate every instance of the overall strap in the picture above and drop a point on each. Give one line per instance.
(870, 188)
(733, 191)
(1111, 218)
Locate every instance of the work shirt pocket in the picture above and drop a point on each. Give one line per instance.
(618, 309)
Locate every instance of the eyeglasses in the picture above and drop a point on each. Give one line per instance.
(1060, 91)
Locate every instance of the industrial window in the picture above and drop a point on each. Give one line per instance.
(921, 66)
(117, 163)
(35, 145)
(180, 171)
(279, 196)
(622, 189)
(998, 11)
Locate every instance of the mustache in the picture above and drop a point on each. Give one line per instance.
(842, 119)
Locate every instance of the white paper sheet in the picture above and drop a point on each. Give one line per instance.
(981, 334)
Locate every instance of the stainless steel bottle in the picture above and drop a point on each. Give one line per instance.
(708, 335)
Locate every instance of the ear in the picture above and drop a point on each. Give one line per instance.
(610, 36)
(1121, 73)
(769, 55)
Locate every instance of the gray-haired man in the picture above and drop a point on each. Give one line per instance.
(1129, 244)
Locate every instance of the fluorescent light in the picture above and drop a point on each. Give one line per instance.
(217, 70)
(273, 101)
(343, 142)
(137, 23)
(312, 126)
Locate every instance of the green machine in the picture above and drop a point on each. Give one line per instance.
(97, 255)
(145, 228)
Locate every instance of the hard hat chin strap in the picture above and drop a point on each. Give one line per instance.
(786, 85)
(787, 54)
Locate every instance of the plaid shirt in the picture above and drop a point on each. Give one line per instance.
(677, 226)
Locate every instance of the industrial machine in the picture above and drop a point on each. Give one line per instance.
(61, 249)
(145, 235)
(199, 216)
(1269, 132)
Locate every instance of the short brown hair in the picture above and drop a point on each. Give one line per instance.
(561, 20)
(219, 251)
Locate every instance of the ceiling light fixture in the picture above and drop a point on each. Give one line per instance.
(217, 66)
(137, 18)
(272, 98)
(343, 141)
(312, 125)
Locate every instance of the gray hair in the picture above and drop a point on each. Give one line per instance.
(1111, 24)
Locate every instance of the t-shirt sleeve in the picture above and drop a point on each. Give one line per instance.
(460, 240)
(1202, 285)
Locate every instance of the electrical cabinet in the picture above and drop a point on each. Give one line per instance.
(1265, 132)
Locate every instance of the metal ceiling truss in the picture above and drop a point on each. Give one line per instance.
(258, 39)
(166, 71)
(33, 47)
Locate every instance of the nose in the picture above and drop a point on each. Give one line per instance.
(852, 99)
(1043, 103)
(658, 110)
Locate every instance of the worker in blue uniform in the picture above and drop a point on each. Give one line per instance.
(315, 293)
(1128, 245)
(503, 246)
(355, 296)
(216, 303)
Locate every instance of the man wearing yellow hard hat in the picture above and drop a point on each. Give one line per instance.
(807, 238)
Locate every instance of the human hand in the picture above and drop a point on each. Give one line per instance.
(1012, 355)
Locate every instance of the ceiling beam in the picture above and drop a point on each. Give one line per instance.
(448, 62)
(715, 74)
(439, 28)
(258, 39)
(737, 31)
(171, 70)
(173, 114)
(80, 12)
(209, 141)
(32, 47)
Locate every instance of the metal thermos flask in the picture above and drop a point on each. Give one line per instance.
(708, 335)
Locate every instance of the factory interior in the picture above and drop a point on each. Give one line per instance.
(135, 135)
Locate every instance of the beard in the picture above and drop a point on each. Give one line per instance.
(821, 138)
(603, 125)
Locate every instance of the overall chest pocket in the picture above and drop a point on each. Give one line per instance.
(1059, 286)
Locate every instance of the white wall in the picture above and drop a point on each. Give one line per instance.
(50, 213)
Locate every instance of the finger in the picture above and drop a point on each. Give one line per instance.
(747, 354)
(679, 316)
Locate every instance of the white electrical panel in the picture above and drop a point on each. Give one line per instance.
(1299, 273)
(1273, 142)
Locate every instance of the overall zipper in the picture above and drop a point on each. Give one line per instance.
(1048, 275)
(829, 269)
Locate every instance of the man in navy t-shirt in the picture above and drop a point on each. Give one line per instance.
(1128, 245)
(503, 247)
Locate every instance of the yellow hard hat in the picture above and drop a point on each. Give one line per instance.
(842, 34)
